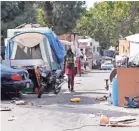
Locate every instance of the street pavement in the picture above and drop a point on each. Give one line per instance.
(57, 113)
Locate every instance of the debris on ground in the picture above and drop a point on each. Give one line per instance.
(125, 121)
(122, 125)
(15, 98)
(5, 109)
(122, 119)
(19, 102)
(12, 118)
(131, 102)
(104, 120)
(75, 99)
(104, 98)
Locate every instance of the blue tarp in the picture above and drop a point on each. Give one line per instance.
(8, 49)
(56, 46)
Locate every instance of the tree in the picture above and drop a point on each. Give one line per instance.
(15, 13)
(109, 21)
(41, 17)
(62, 15)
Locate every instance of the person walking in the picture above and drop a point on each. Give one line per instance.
(69, 68)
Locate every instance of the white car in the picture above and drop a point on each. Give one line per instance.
(107, 66)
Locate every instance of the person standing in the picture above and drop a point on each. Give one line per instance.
(69, 68)
(78, 61)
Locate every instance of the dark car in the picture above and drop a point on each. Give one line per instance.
(13, 80)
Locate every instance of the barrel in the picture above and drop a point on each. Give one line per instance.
(114, 95)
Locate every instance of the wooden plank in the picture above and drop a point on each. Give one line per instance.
(121, 119)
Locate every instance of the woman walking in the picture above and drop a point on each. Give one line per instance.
(69, 68)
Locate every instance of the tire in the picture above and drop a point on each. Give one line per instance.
(41, 91)
(56, 89)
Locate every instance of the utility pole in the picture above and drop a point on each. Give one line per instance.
(74, 40)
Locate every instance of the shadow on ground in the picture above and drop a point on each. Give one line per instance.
(62, 98)
(61, 102)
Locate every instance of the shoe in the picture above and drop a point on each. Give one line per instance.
(72, 90)
(69, 88)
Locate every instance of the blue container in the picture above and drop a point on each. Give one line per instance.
(114, 94)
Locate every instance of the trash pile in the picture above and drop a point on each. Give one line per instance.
(131, 102)
(19, 102)
(125, 121)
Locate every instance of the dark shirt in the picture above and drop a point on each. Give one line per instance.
(69, 61)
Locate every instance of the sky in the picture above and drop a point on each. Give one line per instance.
(90, 3)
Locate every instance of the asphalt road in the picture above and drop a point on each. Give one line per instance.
(57, 113)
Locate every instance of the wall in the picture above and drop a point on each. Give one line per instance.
(128, 83)
(134, 48)
(90, 42)
(124, 45)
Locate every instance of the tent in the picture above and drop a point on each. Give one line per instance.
(133, 38)
(36, 45)
(134, 44)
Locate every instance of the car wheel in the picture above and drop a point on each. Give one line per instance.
(56, 89)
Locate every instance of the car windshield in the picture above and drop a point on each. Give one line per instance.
(107, 63)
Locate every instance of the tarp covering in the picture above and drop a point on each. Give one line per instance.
(56, 46)
(8, 49)
(36, 44)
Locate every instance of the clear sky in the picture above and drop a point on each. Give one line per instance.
(90, 3)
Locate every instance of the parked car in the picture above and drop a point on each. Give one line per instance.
(107, 65)
(13, 80)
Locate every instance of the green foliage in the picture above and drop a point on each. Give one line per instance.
(109, 21)
(41, 17)
(62, 15)
(15, 13)
(65, 15)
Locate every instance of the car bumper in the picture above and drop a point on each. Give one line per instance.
(16, 85)
(106, 67)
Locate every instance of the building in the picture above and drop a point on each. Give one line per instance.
(124, 47)
(90, 42)
(129, 45)
(91, 48)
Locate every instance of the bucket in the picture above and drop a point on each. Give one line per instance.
(114, 94)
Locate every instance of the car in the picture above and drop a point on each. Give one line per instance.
(13, 80)
(107, 66)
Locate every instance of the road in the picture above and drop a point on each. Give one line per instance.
(57, 113)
